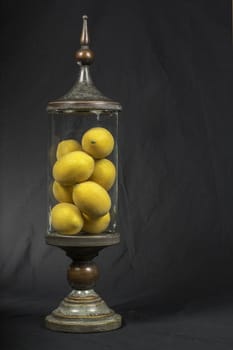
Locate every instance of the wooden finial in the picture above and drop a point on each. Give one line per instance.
(84, 55)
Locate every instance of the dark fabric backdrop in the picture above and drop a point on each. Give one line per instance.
(170, 65)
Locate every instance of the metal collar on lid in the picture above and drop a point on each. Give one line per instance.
(83, 96)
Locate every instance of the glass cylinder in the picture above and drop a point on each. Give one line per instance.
(82, 179)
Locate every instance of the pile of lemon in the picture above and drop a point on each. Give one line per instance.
(82, 178)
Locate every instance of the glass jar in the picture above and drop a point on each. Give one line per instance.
(83, 164)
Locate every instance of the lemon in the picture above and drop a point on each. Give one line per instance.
(67, 146)
(62, 193)
(73, 167)
(96, 225)
(98, 142)
(92, 199)
(104, 173)
(66, 219)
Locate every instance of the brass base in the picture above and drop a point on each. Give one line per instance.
(83, 312)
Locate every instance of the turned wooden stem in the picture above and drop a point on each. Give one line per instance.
(82, 275)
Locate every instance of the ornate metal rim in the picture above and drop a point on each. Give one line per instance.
(79, 105)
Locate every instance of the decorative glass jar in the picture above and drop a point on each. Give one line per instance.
(82, 185)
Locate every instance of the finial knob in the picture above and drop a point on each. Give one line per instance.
(84, 56)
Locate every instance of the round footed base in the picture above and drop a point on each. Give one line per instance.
(83, 325)
(83, 312)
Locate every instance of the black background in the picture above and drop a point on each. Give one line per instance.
(169, 63)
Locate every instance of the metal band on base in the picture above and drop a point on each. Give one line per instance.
(83, 312)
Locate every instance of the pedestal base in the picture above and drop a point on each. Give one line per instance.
(83, 312)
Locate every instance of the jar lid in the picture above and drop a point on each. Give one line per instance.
(83, 96)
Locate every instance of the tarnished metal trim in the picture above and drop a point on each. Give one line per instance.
(59, 102)
(69, 106)
(73, 317)
(106, 239)
(82, 301)
(82, 298)
(88, 302)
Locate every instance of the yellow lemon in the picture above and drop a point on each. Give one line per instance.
(66, 219)
(67, 146)
(98, 142)
(62, 193)
(104, 173)
(96, 225)
(92, 199)
(73, 167)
